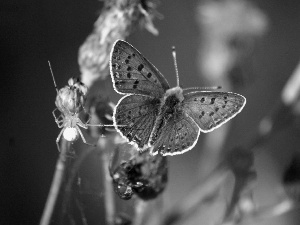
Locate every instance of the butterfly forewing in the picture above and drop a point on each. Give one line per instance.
(134, 74)
(212, 109)
(176, 135)
(138, 113)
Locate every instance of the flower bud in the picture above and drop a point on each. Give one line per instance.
(71, 98)
(144, 174)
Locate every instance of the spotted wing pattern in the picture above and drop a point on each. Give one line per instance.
(132, 73)
(212, 109)
(138, 113)
(174, 134)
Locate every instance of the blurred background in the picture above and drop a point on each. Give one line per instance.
(33, 32)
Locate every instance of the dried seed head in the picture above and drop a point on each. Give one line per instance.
(144, 174)
(240, 161)
(116, 21)
(71, 98)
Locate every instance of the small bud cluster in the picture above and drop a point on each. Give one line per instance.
(71, 98)
(142, 174)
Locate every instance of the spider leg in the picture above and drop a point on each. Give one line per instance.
(57, 121)
(81, 124)
(58, 138)
(53, 113)
(90, 117)
(83, 139)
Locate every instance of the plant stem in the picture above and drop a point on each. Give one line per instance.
(108, 188)
(74, 170)
(140, 209)
(56, 184)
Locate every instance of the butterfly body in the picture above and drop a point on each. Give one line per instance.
(164, 118)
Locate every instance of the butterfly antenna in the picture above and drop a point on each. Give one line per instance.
(203, 88)
(175, 64)
(52, 76)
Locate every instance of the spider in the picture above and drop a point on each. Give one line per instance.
(70, 102)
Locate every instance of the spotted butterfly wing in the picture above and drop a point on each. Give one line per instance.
(177, 132)
(132, 73)
(138, 113)
(212, 109)
(144, 85)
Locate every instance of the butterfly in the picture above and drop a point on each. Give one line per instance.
(157, 116)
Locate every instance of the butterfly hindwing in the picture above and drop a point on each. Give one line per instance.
(138, 113)
(212, 109)
(174, 134)
(132, 73)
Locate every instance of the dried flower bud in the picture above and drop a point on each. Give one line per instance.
(240, 161)
(140, 173)
(116, 21)
(291, 179)
(287, 111)
(71, 98)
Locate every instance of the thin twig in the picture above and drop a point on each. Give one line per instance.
(56, 184)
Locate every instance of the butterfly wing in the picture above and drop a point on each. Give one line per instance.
(132, 73)
(138, 113)
(174, 132)
(212, 109)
